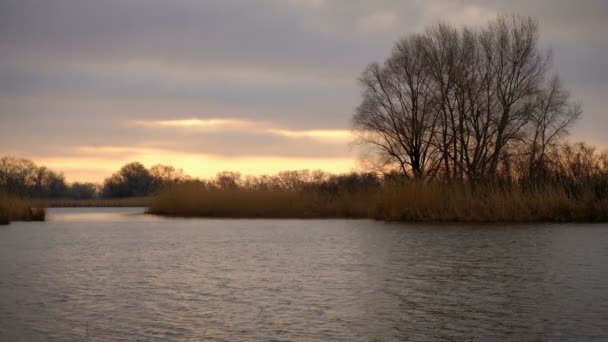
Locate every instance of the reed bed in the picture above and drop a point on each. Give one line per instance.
(192, 201)
(413, 201)
(16, 209)
(436, 202)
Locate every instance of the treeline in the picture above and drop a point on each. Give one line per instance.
(295, 181)
(574, 187)
(23, 178)
(574, 168)
(468, 105)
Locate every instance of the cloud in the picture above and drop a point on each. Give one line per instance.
(466, 13)
(335, 135)
(378, 22)
(219, 124)
(225, 125)
(308, 3)
(237, 79)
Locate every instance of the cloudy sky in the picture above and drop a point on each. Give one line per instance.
(254, 86)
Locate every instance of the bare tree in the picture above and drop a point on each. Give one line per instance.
(510, 45)
(396, 115)
(553, 115)
(460, 103)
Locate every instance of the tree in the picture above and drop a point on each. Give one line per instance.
(17, 176)
(81, 191)
(23, 177)
(132, 179)
(396, 114)
(460, 103)
(227, 180)
(553, 115)
(164, 175)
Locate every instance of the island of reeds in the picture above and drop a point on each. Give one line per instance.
(575, 191)
(455, 125)
(15, 209)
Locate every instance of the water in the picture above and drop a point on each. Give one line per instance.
(113, 274)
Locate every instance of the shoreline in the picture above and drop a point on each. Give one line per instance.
(430, 222)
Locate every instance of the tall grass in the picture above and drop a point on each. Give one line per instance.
(192, 200)
(438, 202)
(408, 202)
(15, 209)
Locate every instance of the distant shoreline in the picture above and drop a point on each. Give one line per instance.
(101, 202)
(406, 202)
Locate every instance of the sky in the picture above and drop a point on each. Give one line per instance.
(253, 86)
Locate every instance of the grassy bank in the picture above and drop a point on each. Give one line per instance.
(15, 209)
(408, 202)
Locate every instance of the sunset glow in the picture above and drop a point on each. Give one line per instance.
(99, 162)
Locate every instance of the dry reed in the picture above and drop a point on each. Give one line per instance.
(408, 202)
(15, 209)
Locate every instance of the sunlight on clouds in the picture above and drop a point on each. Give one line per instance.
(108, 159)
(324, 135)
(198, 123)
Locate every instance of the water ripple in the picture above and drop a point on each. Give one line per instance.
(103, 275)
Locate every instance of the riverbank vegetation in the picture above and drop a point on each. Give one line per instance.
(129, 186)
(412, 202)
(574, 189)
(457, 124)
(15, 209)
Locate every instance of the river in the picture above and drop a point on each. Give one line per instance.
(118, 274)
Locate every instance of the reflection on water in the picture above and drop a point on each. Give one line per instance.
(114, 274)
(95, 214)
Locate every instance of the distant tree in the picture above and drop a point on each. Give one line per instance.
(81, 191)
(293, 180)
(48, 184)
(132, 179)
(23, 178)
(227, 180)
(17, 175)
(164, 175)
